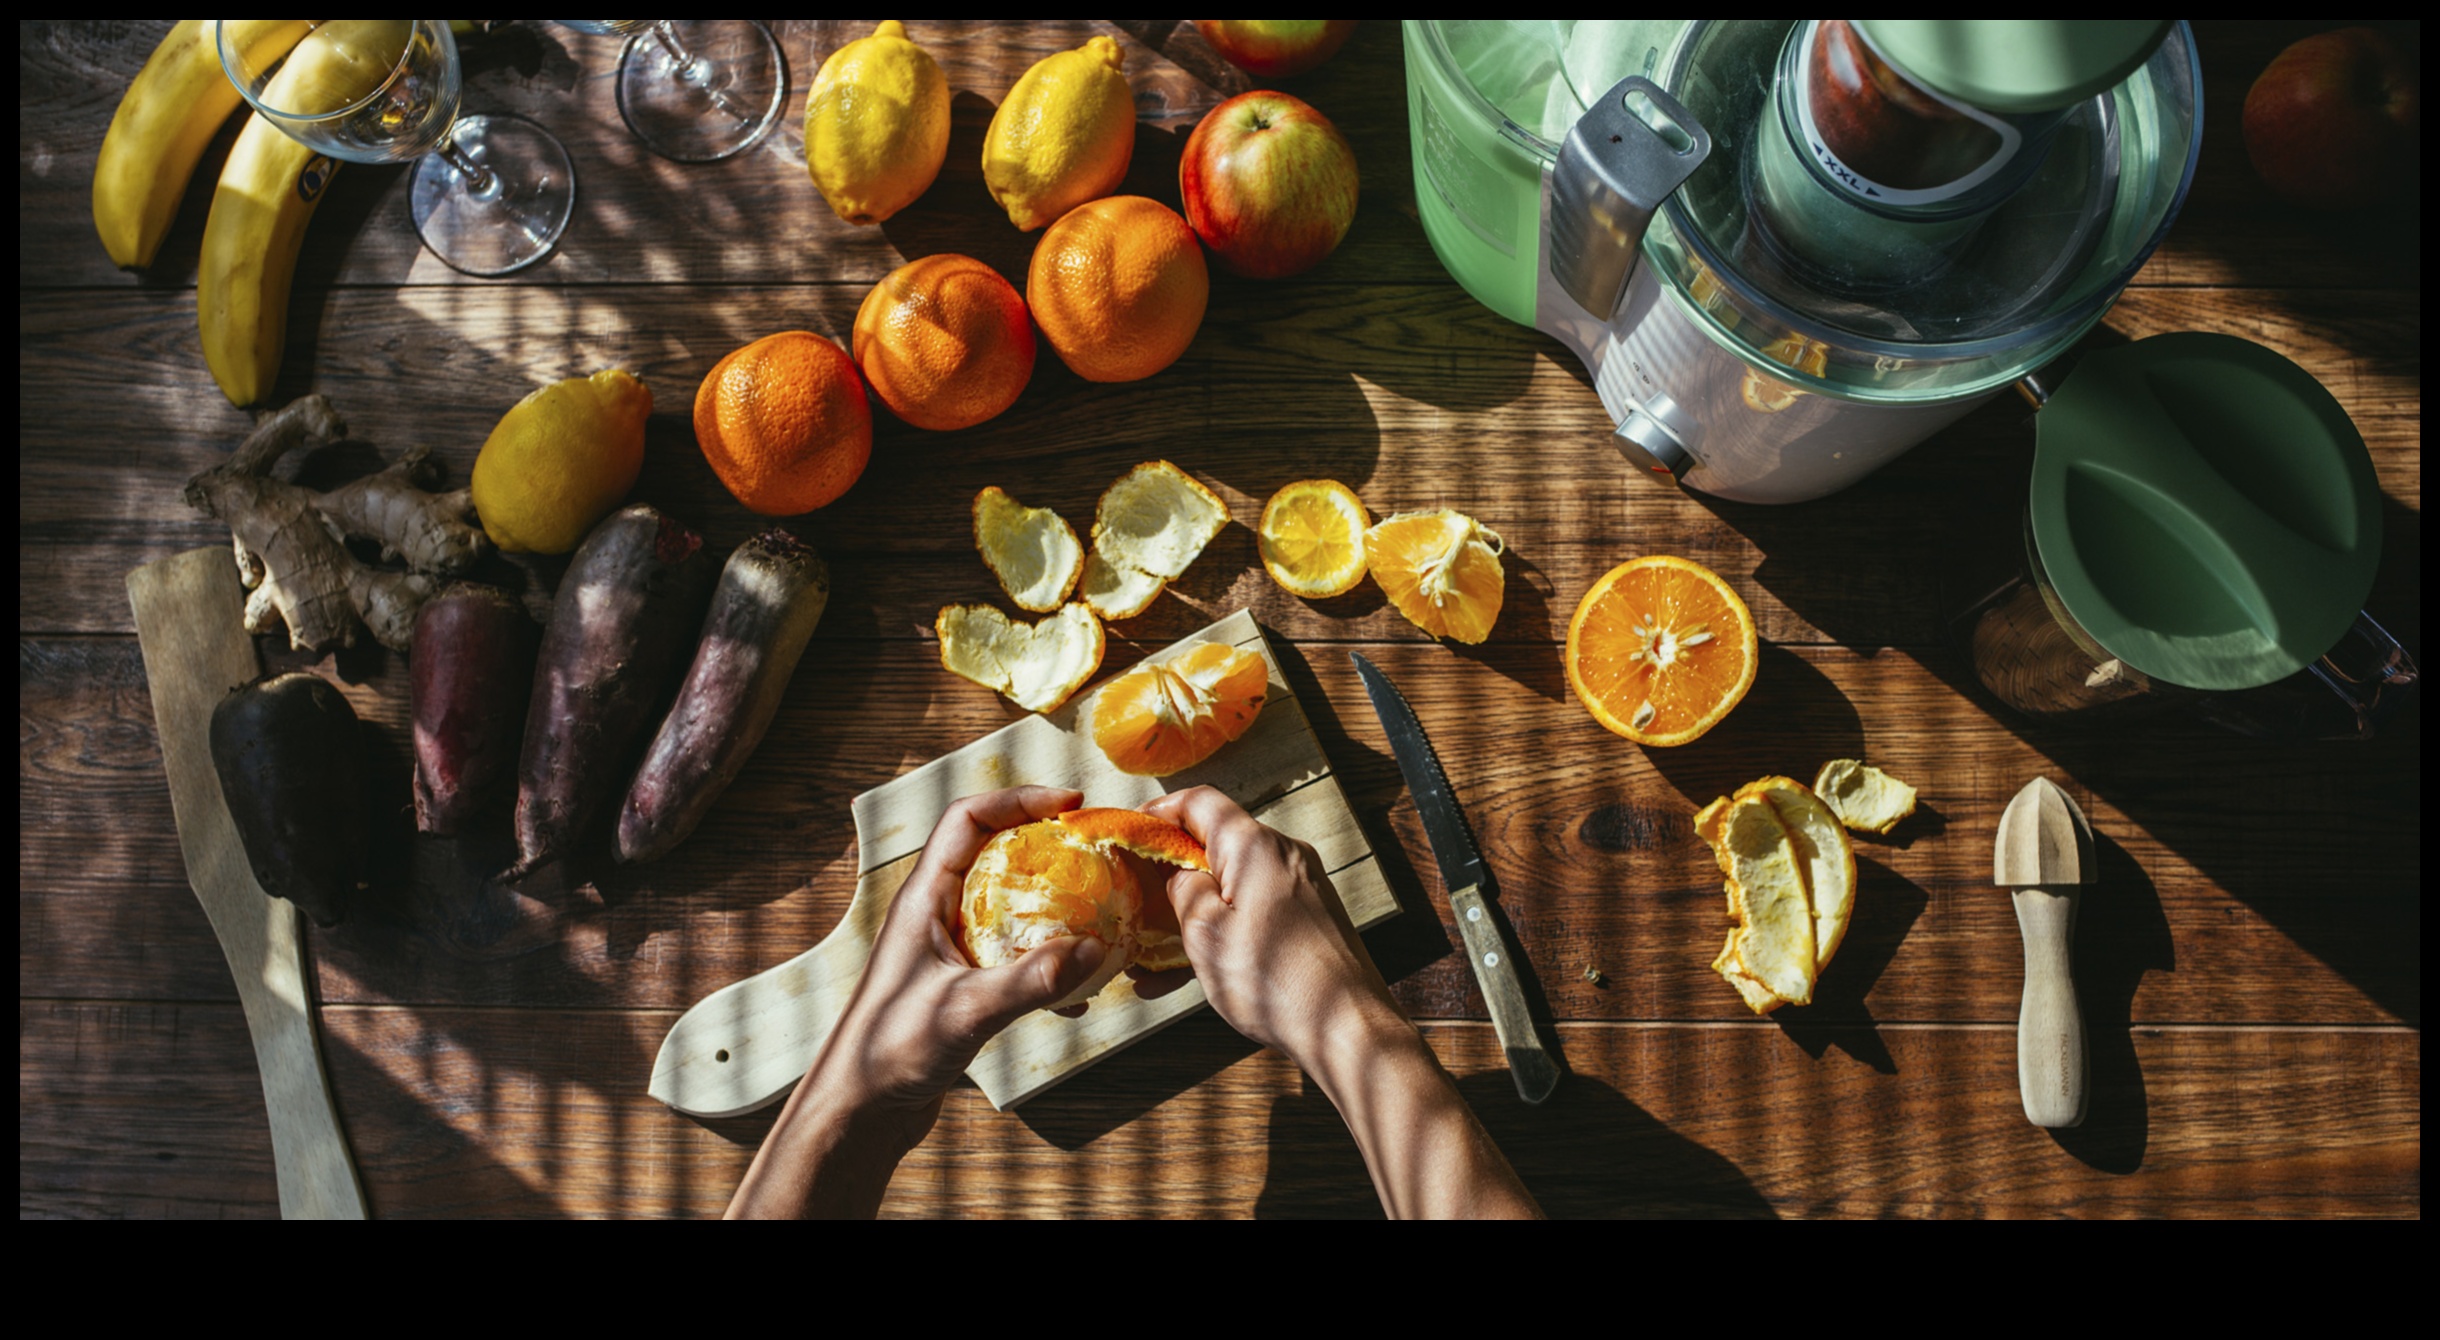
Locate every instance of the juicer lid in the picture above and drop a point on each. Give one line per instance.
(2204, 509)
(2016, 66)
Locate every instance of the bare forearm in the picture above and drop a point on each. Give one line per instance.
(824, 1159)
(1429, 1157)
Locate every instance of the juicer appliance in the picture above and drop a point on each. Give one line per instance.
(1788, 251)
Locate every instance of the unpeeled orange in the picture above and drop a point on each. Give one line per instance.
(1119, 287)
(784, 423)
(1167, 715)
(1660, 649)
(945, 342)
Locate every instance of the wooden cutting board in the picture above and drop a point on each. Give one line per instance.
(745, 1045)
(190, 622)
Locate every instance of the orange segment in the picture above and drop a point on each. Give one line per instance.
(1140, 833)
(1660, 649)
(1165, 716)
(1441, 569)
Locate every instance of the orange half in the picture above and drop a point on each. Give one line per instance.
(1660, 649)
(1168, 715)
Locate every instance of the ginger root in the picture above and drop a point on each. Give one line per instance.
(291, 542)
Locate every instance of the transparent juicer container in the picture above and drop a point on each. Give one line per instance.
(1491, 102)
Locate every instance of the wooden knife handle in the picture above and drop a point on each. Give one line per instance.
(1495, 969)
(2050, 1050)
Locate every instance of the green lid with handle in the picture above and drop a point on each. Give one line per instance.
(2016, 66)
(2204, 509)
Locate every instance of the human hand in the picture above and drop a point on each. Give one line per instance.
(1275, 952)
(922, 1010)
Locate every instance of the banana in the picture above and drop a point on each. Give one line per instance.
(267, 194)
(164, 122)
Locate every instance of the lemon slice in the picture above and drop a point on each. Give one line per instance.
(1312, 538)
(1034, 553)
(1037, 666)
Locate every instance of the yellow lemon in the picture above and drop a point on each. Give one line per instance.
(559, 460)
(1063, 135)
(876, 125)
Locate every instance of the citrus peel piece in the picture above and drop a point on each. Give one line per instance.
(1863, 797)
(1037, 666)
(1116, 591)
(1032, 550)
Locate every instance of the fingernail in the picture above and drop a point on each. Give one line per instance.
(1088, 953)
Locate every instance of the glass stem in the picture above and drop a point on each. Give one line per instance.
(693, 70)
(480, 183)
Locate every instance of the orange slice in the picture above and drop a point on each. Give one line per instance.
(1441, 569)
(1170, 714)
(1312, 538)
(1660, 650)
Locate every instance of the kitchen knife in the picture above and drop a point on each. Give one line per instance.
(1471, 889)
(2044, 852)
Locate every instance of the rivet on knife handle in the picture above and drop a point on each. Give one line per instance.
(1495, 967)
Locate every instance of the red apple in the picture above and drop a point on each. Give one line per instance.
(1269, 184)
(1275, 48)
(2335, 122)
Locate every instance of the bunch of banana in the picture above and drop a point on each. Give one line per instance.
(163, 125)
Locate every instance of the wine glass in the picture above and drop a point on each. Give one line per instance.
(489, 194)
(695, 90)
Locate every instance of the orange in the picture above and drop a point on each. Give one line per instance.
(1660, 650)
(1165, 716)
(1441, 569)
(1138, 832)
(945, 342)
(1118, 286)
(784, 423)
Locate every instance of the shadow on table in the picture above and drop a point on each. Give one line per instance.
(1887, 905)
(1586, 1153)
(2121, 934)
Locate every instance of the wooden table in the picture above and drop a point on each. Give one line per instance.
(2251, 964)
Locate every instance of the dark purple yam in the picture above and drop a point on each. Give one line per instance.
(771, 595)
(291, 763)
(621, 626)
(469, 676)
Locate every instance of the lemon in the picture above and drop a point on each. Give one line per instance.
(1311, 538)
(876, 125)
(1063, 135)
(559, 460)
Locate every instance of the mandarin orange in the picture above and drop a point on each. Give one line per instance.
(1660, 649)
(1118, 287)
(944, 341)
(784, 423)
(1165, 716)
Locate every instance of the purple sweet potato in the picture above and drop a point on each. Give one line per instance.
(470, 673)
(770, 596)
(621, 626)
(291, 762)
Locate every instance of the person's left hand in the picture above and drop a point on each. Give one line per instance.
(922, 1010)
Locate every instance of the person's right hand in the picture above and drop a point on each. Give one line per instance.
(1265, 932)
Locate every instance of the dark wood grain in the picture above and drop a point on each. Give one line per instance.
(2226, 895)
(2250, 964)
(458, 1112)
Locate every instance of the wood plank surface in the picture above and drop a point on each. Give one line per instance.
(485, 1112)
(2251, 962)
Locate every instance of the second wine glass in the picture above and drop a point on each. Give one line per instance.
(696, 90)
(489, 194)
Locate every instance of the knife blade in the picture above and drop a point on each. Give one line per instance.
(1470, 885)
